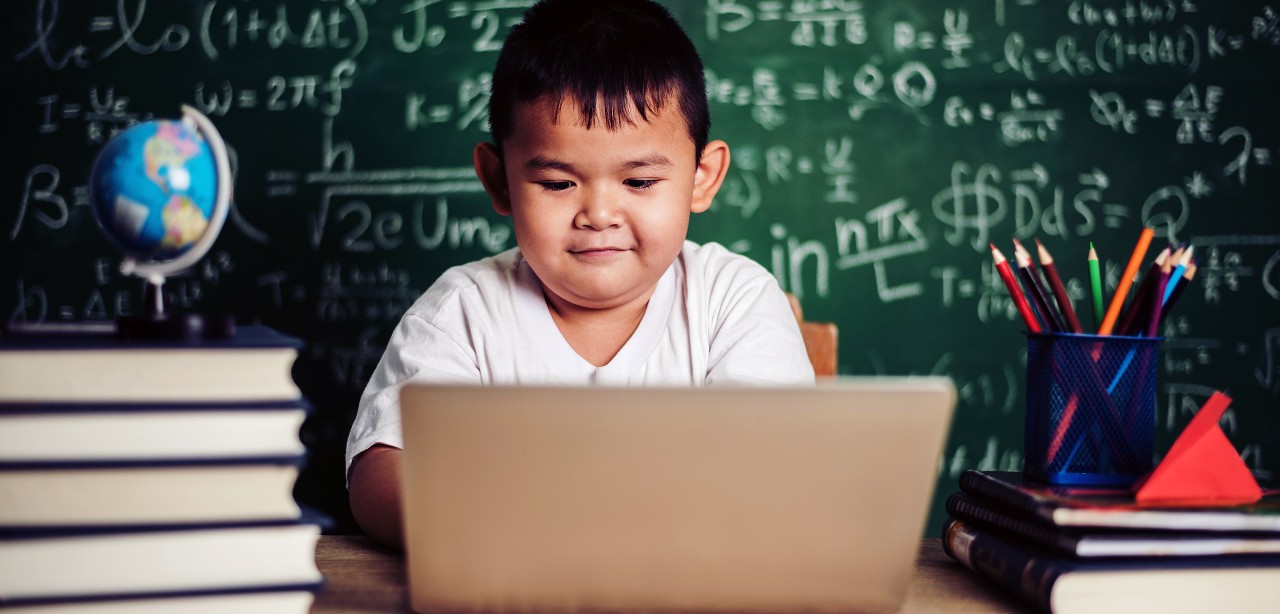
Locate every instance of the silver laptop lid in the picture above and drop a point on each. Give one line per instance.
(742, 499)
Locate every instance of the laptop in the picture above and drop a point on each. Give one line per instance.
(639, 499)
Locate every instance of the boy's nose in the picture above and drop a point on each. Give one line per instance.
(598, 211)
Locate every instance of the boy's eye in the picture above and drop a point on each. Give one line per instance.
(555, 186)
(640, 184)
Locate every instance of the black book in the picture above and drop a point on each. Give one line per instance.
(1092, 543)
(1153, 584)
(1113, 507)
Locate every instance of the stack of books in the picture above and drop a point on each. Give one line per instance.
(152, 476)
(1092, 549)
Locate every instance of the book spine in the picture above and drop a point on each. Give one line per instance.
(981, 485)
(1010, 566)
(970, 509)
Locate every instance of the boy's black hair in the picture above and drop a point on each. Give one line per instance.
(608, 56)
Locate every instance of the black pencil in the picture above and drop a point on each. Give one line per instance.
(1130, 322)
(1036, 288)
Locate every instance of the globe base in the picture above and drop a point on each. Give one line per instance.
(176, 327)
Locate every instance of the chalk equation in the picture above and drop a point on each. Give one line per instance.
(878, 149)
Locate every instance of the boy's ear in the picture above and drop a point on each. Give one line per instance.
(712, 168)
(493, 175)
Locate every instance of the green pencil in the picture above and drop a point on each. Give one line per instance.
(1095, 279)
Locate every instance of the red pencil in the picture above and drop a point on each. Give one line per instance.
(1002, 265)
(1059, 290)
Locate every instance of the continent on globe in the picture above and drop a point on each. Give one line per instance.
(184, 223)
(154, 189)
(167, 154)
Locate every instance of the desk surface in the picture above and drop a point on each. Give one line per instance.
(361, 576)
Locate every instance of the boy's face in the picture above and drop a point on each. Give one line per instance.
(600, 215)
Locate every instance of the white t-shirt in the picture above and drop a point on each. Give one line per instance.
(715, 317)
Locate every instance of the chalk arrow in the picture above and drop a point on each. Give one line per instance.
(1096, 178)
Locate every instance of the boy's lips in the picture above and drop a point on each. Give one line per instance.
(604, 250)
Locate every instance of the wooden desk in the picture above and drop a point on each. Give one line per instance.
(361, 576)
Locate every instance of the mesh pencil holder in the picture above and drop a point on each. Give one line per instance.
(1091, 403)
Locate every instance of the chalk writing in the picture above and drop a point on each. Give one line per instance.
(878, 148)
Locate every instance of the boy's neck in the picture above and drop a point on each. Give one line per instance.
(597, 335)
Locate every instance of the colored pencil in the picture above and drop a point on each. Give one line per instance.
(1178, 290)
(1134, 318)
(1020, 301)
(1175, 277)
(1162, 280)
(1108, 322)
(1095, 284)
(1035, 288)
(1126, 281)
(1059, 291)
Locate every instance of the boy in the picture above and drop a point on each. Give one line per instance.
(600, 154)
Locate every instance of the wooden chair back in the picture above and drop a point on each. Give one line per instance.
(820, 340)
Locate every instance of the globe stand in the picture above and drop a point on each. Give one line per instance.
(158, 324)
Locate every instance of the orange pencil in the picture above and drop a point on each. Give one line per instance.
(1126, 280)
(1002, 266)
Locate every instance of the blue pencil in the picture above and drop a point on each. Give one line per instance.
(1176, 276)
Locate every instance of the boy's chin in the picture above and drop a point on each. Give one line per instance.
(603, 297)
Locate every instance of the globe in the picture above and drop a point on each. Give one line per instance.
(155, 191)
(161, 191)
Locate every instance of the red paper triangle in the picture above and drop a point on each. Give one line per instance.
(1202, 466)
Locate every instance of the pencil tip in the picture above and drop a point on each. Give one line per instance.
(1019, 251)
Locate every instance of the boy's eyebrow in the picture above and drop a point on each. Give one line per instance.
(540, 162)
(653, 159)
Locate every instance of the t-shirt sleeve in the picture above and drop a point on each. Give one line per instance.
(755, 338)
(419, 351)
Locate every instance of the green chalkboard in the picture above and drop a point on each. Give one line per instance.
(878, 147)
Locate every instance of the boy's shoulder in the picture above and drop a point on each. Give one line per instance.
(500, 266)
(712, 262)
(484, 280)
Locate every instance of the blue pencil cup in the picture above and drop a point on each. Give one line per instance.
(1091, 407)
